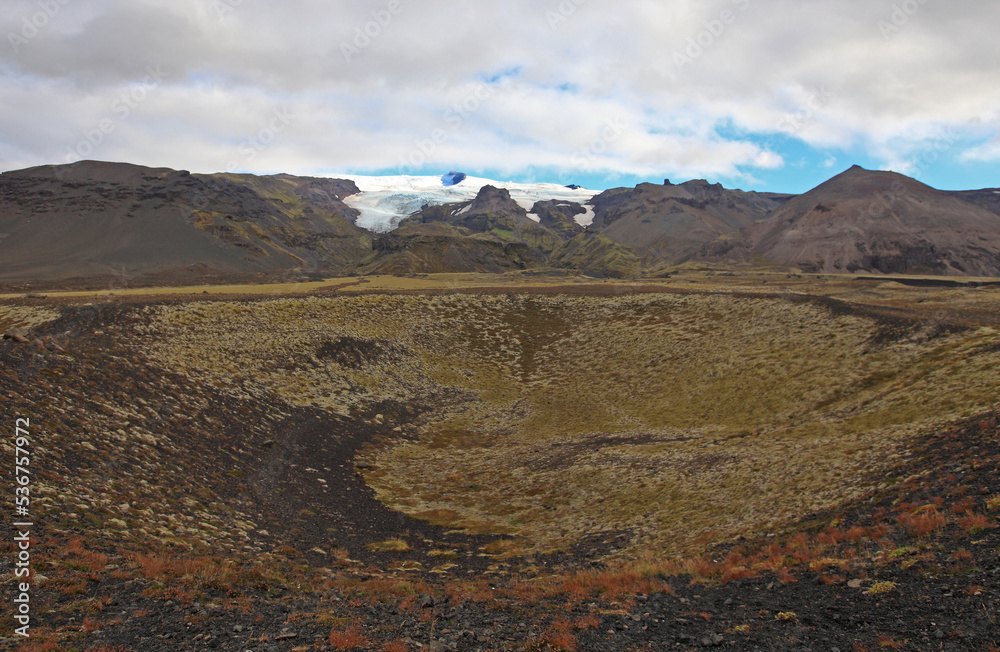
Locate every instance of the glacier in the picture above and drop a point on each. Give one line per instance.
(384, 201)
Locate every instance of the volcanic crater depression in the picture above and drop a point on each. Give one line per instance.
(657, 421)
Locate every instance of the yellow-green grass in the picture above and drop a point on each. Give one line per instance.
(21, 316)
(674, 418)
(440, 281)
(241, 289)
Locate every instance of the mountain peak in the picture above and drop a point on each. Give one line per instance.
(494, 200)
(879, 221)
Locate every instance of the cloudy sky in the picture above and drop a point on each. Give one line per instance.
(758, 94)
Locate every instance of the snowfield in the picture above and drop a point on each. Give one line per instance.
(384, 201)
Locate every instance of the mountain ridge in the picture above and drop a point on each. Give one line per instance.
(93, 220)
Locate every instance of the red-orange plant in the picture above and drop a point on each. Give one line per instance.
(350, 638)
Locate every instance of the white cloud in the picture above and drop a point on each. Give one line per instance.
(818, 72)
(987, 152)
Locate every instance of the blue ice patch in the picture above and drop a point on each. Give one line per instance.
(453, 178)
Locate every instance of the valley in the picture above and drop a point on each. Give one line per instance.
(574, 448)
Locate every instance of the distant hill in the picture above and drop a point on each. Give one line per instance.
(863, 220)
(988, 198)
(94, 220)
(670, 224)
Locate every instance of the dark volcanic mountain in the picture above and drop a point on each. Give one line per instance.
(672, 223)
(863, 220)
(106, 220)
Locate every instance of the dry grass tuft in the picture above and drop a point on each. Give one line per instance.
(887, 642)
(350, 638)
(397, 645)
(882, 587)
(392, 545)
(560, 636)
(976, 523)
(923, 521)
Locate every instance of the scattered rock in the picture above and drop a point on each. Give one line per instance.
(52, 345)
(441, 646)
(17, 335)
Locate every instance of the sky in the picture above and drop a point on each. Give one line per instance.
(775, 95)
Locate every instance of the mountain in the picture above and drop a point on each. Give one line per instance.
(863, 220)
(490, 233)
(493, 233)
(671, 223)
(988, 198)
(99, 223)
(98, 220)
(384, 201)
(560, 216)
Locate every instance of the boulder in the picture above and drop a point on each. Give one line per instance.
(52, 345)
(17, 335)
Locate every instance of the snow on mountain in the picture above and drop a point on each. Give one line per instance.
(384, 201)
